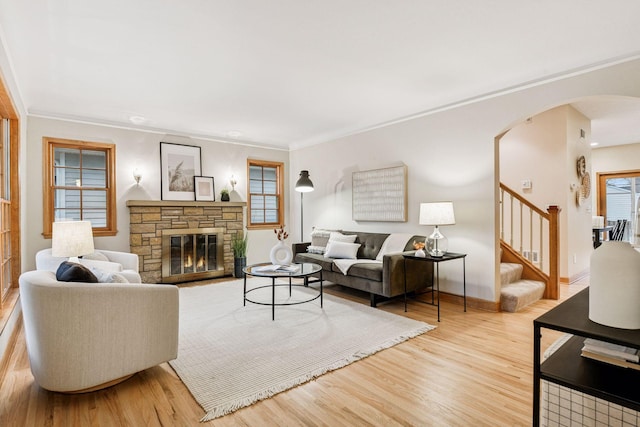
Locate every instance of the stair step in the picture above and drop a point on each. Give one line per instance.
(517, 295)
(510, 272)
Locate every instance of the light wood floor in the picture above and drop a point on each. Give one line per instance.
(475, 369)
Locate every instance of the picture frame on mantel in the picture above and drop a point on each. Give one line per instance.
(204, 188)
(179, 164)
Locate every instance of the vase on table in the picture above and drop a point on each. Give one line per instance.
(281, 254)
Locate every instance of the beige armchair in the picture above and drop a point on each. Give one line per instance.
(86, 336)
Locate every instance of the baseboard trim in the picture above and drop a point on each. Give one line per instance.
(477, 303)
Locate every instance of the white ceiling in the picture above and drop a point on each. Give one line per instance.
(289, 73)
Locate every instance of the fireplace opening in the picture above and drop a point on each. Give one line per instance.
(192, 254)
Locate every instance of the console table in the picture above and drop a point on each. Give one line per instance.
(437, 260)
(568, 368)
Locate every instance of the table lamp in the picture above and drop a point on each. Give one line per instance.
(436, 214)
(72, 239)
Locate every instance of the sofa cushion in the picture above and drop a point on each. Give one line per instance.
(370, 271)
(73, 272)
(370, 243)
(319, 259)
(343, 250)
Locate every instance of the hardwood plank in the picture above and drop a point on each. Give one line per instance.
(474, 369)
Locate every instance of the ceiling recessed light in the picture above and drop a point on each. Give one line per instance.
(137, 120)
(593, 144)
(234, 134)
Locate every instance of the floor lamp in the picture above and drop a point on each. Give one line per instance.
(304, 185)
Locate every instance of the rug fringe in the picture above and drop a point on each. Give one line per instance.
(220, 411)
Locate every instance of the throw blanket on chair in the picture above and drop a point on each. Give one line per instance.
(394, 243)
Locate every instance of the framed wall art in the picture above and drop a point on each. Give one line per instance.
(204, 189)
(179, 164)
(380, 194)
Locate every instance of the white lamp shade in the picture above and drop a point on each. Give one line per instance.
(72, 239)
(437, 213)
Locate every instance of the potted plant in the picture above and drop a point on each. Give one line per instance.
(239, 248)
(224, 195)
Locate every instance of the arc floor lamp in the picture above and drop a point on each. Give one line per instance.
(304, 185)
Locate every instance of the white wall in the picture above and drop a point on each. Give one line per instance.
(142, 150)
(450, 156)
(544, 150)
(579, 230)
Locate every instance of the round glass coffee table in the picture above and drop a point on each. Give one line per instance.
(293, 271)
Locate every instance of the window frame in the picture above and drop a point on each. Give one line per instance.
(280, 194)
(49, 145)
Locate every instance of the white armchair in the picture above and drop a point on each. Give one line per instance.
(123, 263)
(86, 336)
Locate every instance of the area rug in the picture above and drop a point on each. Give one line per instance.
(231, 356)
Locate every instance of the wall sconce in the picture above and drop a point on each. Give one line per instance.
(233, 182)
(137, 175)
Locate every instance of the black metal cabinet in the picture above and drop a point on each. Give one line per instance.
(568, 368)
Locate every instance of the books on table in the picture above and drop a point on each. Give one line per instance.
(614, 354)
(277, 268)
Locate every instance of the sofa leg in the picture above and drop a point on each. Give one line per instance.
(373, 299)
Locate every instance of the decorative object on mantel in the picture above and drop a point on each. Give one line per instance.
(303, 185)
(614, 289)
(380, 194)
(224, 195)
(281, 254)
(437, 213)
(204, 189)
(179, 164)
(239, 248)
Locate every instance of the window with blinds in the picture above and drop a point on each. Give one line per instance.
(266, 196)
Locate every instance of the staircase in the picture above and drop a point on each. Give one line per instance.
(516, 292)
(526, 229)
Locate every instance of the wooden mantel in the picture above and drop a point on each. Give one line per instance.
(182, 203)
(147, 219)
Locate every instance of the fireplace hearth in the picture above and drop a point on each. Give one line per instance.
(192, 254)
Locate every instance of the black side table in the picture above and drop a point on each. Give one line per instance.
(437, 260)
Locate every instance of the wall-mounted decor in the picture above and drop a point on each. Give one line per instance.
(203, 186)
(179, 164)
(380, 194)
(584, 186)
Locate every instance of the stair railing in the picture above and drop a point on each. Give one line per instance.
(525, 232)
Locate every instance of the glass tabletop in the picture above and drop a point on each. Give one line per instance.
(267, 269)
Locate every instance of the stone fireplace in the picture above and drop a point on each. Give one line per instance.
(159, 228)
(192, 254)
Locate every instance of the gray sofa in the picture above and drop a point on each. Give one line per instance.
(382, 280)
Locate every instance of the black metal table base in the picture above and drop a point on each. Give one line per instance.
(273, 287)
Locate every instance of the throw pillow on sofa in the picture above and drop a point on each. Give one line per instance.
(73, 272)
(319, 239)
(339, 237)
(344, 250)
